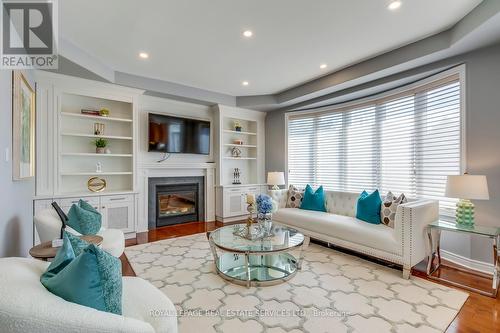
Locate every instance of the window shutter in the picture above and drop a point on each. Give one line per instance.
(405, 143)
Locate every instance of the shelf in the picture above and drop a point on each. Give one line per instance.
(77, 115)
(98, 136)
(95, 173)
(240, 133)
(239, 158)
(96, 155)
(236, 145)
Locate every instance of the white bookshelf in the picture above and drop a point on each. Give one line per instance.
(77, 157)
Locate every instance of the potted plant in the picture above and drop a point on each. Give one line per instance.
(100, 146)
(237, 126)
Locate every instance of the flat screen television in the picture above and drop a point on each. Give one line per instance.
(168, 134)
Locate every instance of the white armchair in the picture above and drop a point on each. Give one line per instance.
(48, 225)
(27, 307)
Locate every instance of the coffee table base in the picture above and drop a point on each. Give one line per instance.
(256, 270)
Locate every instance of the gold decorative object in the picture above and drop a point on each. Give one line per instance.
(104, 112)
(96, 184)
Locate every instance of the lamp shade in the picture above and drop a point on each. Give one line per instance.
(275, 178)
(467, 187)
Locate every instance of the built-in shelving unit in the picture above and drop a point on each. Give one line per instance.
(78, 159)
(250, 141)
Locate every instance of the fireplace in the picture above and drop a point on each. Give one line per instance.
(174, 200)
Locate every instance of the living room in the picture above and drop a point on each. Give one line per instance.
(326, 166)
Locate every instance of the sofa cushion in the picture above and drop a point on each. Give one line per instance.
(84, 218)
(341, 203)
(295, 196)
(313, 200)
(390, 207)
(348, 228)
(93, 279)
(368, 207)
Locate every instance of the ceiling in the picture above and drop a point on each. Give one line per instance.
(199, 43)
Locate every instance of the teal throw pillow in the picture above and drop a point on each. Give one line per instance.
(313, 200)
(77, 243)
(92, 279)
(63, 257)
(84, 218)
(368, 207)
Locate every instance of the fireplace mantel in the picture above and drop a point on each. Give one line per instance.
(174, 169)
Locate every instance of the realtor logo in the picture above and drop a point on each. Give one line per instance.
(29, 34)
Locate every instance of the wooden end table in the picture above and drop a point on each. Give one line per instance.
(45, 251)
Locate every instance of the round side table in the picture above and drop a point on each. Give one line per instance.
(45, 251)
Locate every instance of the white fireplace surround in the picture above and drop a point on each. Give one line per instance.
(176, 169)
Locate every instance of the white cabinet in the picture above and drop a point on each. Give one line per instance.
(118, 212)
(231, 201)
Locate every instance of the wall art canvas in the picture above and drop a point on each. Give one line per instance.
(23, 127)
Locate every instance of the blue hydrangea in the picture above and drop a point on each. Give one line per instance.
(264, 204)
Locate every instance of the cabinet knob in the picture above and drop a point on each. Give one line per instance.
(103, 207)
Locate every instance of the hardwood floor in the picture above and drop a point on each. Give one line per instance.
(480, 314)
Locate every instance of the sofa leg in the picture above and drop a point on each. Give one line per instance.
(406, 273)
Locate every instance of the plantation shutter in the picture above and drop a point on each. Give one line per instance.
(406, 143)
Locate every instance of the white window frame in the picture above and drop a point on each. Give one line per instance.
(459, 70)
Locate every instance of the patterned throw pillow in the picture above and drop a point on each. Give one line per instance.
(295, 197)
(389, 208)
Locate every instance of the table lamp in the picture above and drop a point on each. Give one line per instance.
(275, 179)
(466, 187)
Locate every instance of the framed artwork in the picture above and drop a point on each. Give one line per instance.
(23, 127)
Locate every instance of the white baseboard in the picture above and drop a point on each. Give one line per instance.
(476, 265)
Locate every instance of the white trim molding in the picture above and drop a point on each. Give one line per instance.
(476, 265)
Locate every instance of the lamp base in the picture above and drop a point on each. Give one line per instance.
(464, 214)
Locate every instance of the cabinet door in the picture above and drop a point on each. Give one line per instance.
(118, 215)
(233, 202)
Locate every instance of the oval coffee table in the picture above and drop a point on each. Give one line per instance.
(260, 262)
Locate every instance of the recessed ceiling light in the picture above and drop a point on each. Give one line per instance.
(247, 33)
(143, 55)
(394, 5)
(245, 83)
(322, 66)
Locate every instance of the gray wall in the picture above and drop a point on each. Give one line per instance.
(483, 141)
(16, 205)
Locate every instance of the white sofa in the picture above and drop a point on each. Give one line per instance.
(26, 306)
(404, 244)
(48, 225)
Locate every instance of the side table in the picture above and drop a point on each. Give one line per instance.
(434, 237)
(45, 251)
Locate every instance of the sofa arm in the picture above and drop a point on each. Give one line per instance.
(412, 219)
(280, 196)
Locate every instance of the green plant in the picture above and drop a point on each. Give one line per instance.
(101, 143)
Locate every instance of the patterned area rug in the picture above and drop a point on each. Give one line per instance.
(334, 292)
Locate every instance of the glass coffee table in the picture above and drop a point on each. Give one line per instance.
(260, 262)
(434, 239)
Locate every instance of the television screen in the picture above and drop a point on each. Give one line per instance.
(169, 134)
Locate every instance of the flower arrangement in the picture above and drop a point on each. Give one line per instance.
(264, 204)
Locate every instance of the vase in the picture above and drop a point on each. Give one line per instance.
(100, 150)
